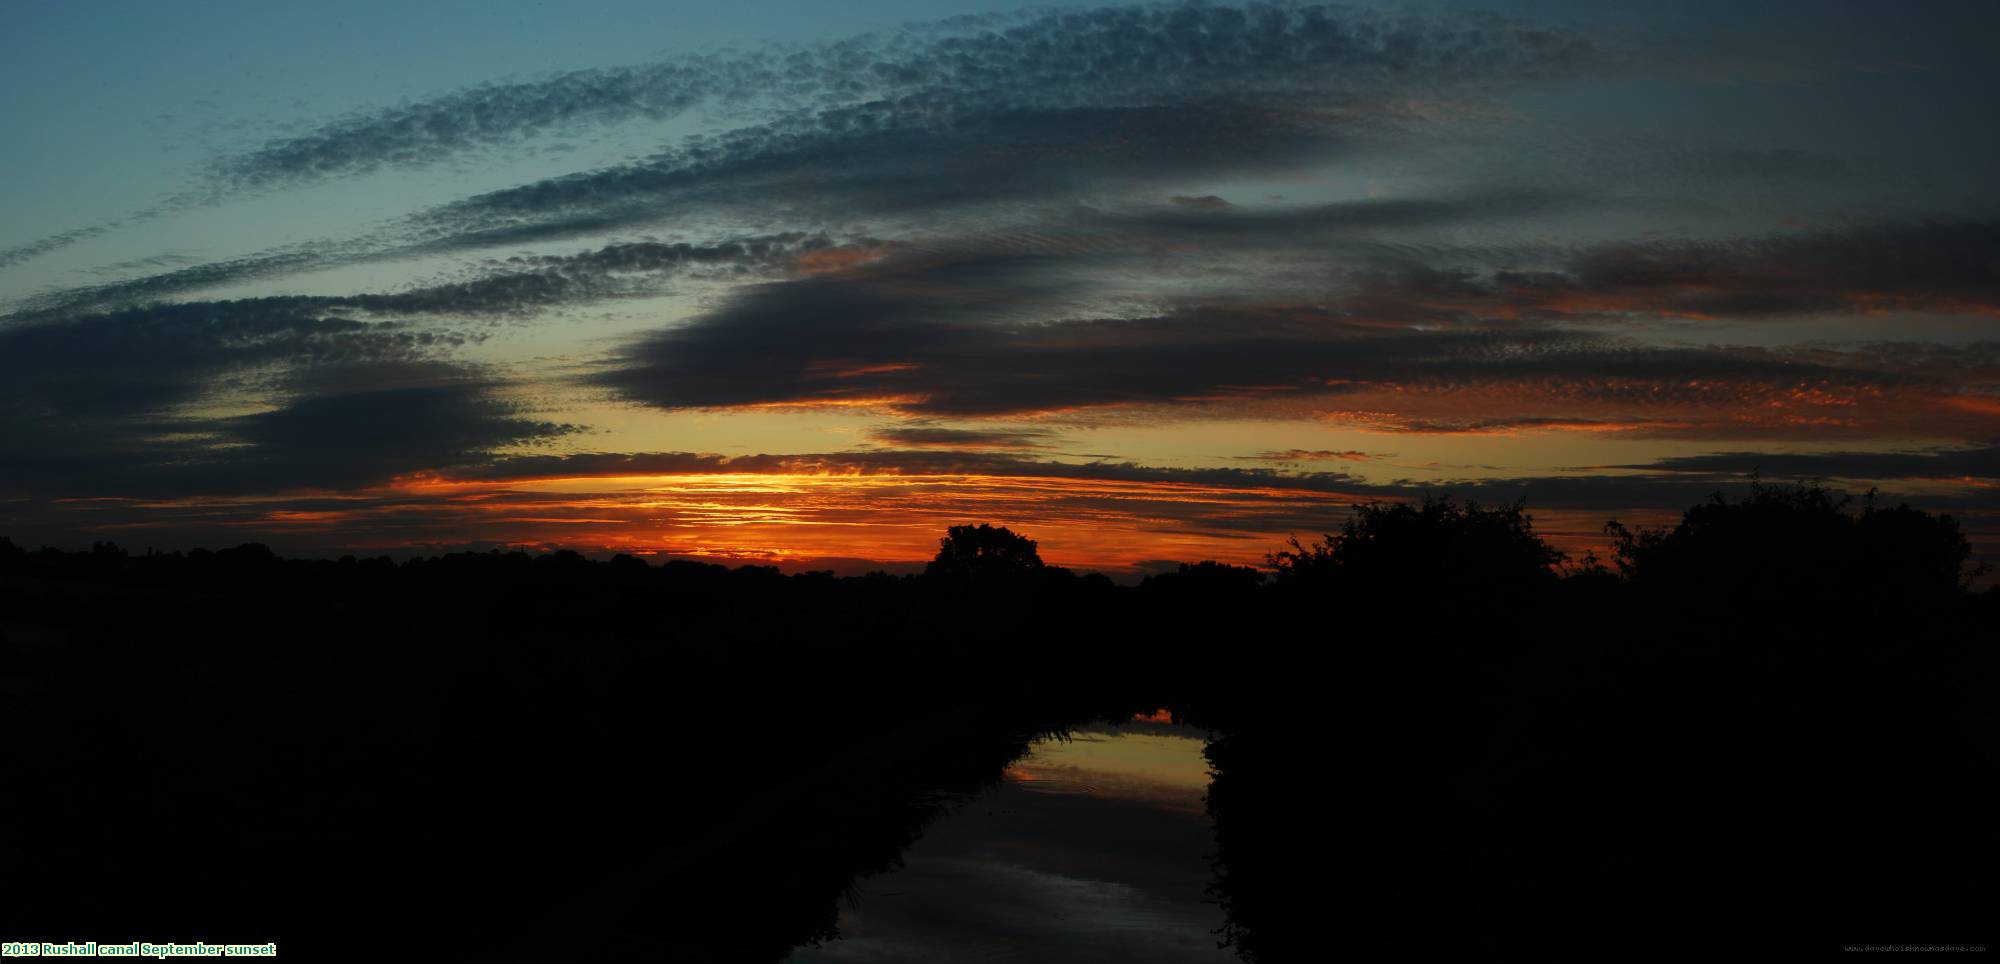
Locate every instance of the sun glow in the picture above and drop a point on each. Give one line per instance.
(888, 517)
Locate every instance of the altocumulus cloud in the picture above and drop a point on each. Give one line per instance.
(1116, 57)
(971, 232)
(996, 331)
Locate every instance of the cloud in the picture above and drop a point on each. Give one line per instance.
(1881, 267)
(1672, 483)
(1113, 56)
(1007, 327)
(1912, 266)
(31, 250)
(158, 287)
(513, 285)
(151, 401)
(895, 160)
(366, 426)
(1313, 455)
(971, 337)
(355, 426)
(923, 436)
(1059, 104)
(1978, 462)
(989, 226)
(147, 360)
(793, 510)
(966, 112)
(905, 462)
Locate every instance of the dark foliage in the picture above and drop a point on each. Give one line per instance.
(983, 551)
(1772, 724)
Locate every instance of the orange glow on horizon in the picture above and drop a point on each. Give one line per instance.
(792, 516)
(811, 512)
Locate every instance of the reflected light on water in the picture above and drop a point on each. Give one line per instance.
(1147, 762)
(1092, 850)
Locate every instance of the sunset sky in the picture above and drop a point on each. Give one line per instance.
(805, 283)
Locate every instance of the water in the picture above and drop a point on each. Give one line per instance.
(1091, 849)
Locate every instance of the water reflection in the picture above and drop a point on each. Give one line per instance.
(1149, 763)
(1091, 849)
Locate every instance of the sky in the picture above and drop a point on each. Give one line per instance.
(804, 283)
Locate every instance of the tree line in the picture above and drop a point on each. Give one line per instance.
(1772, 722)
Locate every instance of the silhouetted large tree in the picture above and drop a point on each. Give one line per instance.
(983, 551)
(1440, 542)
(1803, 544)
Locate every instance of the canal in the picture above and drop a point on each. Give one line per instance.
(1093, 847)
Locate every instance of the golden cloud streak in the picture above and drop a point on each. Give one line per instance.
(1089, 523)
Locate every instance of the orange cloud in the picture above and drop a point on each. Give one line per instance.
(833, 260)
(800, 516)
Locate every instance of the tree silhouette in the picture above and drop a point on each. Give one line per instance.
(983, 551)
(1798, 563)
(1439, 541)
(1774, 722)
